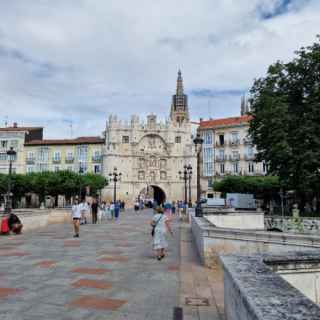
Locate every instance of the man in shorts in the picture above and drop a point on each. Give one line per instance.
(76, 216)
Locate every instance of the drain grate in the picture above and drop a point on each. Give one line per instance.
(197, 302)
(177, 313)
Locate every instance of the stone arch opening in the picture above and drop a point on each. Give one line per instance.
(153, 192)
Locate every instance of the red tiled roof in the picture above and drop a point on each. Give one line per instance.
(79, 140)
(225, 122)
(21, 128)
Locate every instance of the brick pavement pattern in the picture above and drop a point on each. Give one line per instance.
(108, 273)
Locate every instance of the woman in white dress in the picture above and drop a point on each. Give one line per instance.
(161, 225)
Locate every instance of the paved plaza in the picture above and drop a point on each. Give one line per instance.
(108, 273)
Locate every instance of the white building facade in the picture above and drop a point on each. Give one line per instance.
(150, 155)
(228, 150)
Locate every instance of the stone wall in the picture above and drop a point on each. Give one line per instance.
(289, 224)
(35, 219)
(212, 241)
(254, 291)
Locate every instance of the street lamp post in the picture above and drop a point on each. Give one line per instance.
(184, 176)
(198, 141)
(115, 178)
(11, 156)
(189, 169)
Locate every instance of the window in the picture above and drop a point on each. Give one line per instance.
(222, 168)
(163, 175)
(141, 163)
(234, 137)
(44, 154)
(30, 169)
(236, 167)
(83, 153)
(4, 144)
(235, 155)
(207, 161)
(14, 144)
(69, 156)
(97, 168)
(83, 168)
(221, 154)
(30, 156)
(141, 175)
(264, 167)
(56, 156)
(43, 167)
(178, 139)
(221, 139)
(163, 163)
(251, 167)
(56, 168)
(3, 156)
(125, 139)
(250, 152)
(208, 137)
(69, 168)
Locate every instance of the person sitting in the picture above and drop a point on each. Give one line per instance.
(15, 224)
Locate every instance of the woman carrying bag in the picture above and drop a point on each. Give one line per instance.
(160, 225)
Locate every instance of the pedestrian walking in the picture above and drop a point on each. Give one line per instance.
(112, 207)
(94, 210)
(117, 210)
(76, 216)
(168, 209)
(160, 226)
(84, 209)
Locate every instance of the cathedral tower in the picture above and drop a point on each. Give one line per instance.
(179, 108)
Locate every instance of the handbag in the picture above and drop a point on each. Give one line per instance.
(154, 227)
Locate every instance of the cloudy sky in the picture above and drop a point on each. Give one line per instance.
(64, 61)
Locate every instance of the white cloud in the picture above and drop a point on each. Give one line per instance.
(84, 59)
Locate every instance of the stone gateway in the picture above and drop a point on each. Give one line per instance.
(150, 155)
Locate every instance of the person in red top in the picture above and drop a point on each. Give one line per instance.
(15, 224)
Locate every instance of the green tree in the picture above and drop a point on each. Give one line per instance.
(286, 121)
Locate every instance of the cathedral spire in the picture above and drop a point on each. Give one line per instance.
(179, 107)
(179, 84)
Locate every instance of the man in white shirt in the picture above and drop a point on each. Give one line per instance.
(76, 215)
(84, 208)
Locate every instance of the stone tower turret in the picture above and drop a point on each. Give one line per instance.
(179, 107)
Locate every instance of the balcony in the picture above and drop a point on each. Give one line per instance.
(69, 160)
(247, 141)
(97, 158)
(220, 144)
(221, 158)
(56, 160)
(249, 157)
(30, 160)
(234, 143)
(234, 157)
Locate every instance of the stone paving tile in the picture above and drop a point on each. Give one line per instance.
(5, 292)
(94, 302)
(89, 283)
(145, 283)
(91, 270)
(113, 259)
(46, 264)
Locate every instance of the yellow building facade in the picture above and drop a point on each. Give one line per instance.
(81, 155)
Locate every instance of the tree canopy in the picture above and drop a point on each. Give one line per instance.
(261, 187)
(52, 183)
(285, 106)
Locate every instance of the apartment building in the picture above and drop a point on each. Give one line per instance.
(82, 155)
(35, 154)
(15, 137)
(228, 149)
